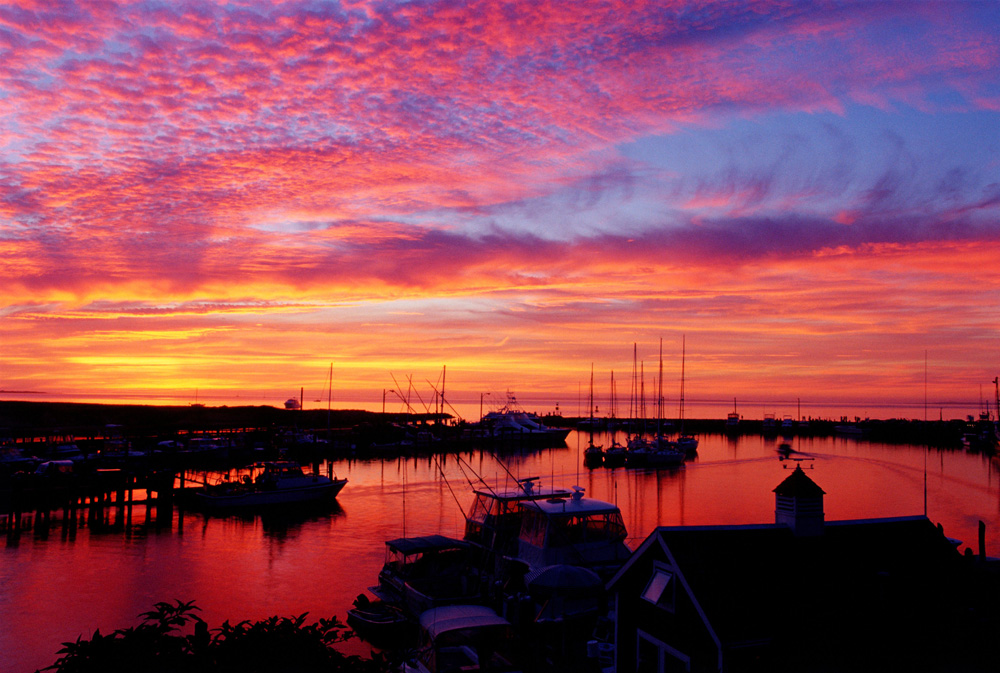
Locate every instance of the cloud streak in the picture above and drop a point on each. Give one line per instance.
(259, 168)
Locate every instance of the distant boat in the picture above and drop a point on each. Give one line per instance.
(279, 482)
(733, 419)
(511, 422)
(593, 455)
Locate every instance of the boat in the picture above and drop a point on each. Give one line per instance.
(662, 452)
(377, 621)
(658, 452)
(420, 573)
(464, 638)
(512, 423)
(494, 520)
(769, 424)
(733, 420)
(577, 531)
(615, 455)
(279, 482)
(593, 455)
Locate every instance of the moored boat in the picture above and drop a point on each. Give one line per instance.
(279, 482)
(512, 423)
(464, 638)
(420, 573)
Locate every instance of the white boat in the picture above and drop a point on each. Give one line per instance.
(494, 520)
(279, 482)
(577, 531)
(462, 638)
(511, 422)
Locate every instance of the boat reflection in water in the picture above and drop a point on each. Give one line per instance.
(538, 556)
(318, 562)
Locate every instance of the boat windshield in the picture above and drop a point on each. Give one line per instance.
(543, 530)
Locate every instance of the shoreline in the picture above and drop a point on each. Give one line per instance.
(33, 421)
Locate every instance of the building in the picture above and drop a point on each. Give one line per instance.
(804, 594)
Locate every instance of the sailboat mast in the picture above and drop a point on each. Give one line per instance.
(681, 410)
(659, 395)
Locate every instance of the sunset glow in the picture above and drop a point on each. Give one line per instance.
(223, 198)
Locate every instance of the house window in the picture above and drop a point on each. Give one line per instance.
(660, 589)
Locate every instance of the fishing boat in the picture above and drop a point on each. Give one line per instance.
(270, 483)
(420, 573)
(733, 420)
(577, 531)
(512, 423)
(494, 520)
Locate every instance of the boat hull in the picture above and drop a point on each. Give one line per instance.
(326, 490)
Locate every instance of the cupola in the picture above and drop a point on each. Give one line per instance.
(798, 504)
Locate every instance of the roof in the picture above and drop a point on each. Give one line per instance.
(454, 617)
(798, 484)
(521, 494)
(748, 579)
(419, 545)
(570, 506)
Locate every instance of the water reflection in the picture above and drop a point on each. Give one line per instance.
(101, 570)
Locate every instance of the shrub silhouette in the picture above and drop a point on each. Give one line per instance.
(171, 637)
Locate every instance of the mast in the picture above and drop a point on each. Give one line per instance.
(659, 396)
(996, 385)
(682, 384)
(591, 424)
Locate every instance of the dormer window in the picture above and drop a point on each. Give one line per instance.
(660, 589)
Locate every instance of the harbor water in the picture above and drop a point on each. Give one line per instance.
(73, 577)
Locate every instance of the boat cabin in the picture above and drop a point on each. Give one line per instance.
(424, 572)
(575, 531)
(494, 521)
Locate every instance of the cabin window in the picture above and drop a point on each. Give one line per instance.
(533, 528)
(480, 510)
(660, 589)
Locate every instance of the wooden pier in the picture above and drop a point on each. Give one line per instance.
(104, 497)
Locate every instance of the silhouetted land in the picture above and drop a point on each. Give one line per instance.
(27, 421)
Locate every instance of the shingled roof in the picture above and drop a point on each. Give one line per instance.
(798, 484)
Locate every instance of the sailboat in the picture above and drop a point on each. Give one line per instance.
(593, 455)
(662, 452)
(686, 443)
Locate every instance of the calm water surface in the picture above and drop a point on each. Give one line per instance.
(72, 581)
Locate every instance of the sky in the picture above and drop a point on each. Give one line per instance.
(228, 200)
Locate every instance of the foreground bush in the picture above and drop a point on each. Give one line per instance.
(173, 638)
